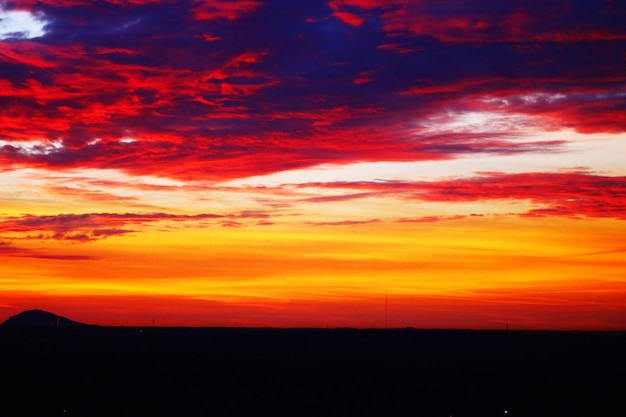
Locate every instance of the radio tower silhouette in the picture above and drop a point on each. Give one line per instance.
(386, 309)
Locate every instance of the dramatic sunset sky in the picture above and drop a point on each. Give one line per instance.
(362, 163)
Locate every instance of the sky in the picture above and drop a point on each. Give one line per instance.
(323, 163)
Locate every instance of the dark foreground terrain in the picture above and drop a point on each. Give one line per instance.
(104, 371)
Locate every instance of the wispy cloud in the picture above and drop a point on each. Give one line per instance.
(6, 249)
(344, 222)
(484, 22)
(94, 226)
(569, 194)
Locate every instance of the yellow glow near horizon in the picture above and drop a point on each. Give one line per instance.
(417, 258)
(476, 261)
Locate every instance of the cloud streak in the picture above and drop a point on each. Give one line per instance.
(7, 249)
(95, 226)
(573, 194)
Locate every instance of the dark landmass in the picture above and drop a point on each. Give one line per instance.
(40, 318)
(127, 371)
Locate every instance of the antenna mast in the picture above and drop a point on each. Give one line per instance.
(386, 308)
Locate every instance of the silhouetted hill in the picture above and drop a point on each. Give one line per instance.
(41, 318)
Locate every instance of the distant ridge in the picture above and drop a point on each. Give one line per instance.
(41, 318)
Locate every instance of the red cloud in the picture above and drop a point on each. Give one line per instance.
(223, 9)
(124, 51)
(344, 222)
(236, 157)
(587, 109)
(457, 86)
(28, 4)
(262, 100)
(37, 55)
(349, 18)
(430, 219)
(462, 22)
(88, 226)
(364, 77)
(573, 195)
(592, 108)
(364, 4)
(93, 226)
(587, 113)
(340, 198)
(100, 97)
